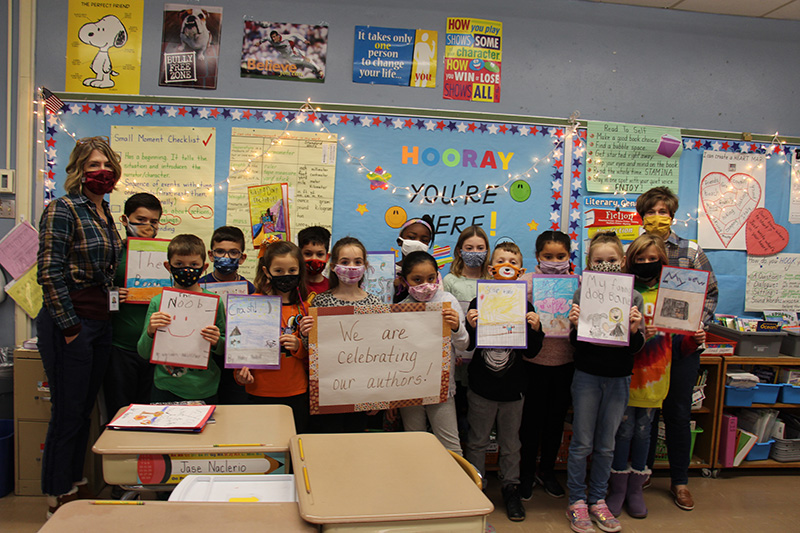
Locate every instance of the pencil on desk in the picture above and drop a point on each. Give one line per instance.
(300, 445)
(305, 478)
(117, 502)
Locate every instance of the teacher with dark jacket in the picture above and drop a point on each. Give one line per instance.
(79, 249)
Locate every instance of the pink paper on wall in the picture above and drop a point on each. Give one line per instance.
(18, 249)
(764, 236)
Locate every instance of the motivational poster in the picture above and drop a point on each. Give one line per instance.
(378, 357)
(631, 157)
(180, 343)
(176, 164)
(269, 212)
(145, 275)
(680, 300)
(104, 47)
(283, 51)
(190, 42)
(393, 56)
(552, 299)
(252, 329)
(773, 283)
(379, 275)
(473, 56)
(732, 186)
(605, 308)
(502, 306)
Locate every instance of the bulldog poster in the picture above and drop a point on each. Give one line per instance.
(190, 46)
(284, 51)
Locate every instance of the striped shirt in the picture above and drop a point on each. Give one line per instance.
(688, 254)
(77, 250)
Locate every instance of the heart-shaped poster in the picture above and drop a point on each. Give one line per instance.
(728, 202)
(763, 235)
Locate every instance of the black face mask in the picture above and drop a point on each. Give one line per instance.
(646, 271)
(286, 283)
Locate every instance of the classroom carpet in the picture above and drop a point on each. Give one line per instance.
(734, 502)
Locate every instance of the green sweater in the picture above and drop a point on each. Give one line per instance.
(189, 383)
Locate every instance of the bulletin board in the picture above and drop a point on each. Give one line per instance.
(468, 169)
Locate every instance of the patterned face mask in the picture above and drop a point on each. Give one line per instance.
(473, 259)
(505, 271)
(185, 276)
(423, 292)
(605, 266)
(226, 265)
(349, 275)
(315, 266)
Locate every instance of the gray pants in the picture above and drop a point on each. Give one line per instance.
(442, 417)
(481, 416)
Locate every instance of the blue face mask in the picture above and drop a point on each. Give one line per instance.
(226, 265)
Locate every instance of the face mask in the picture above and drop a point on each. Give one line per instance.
(185, 276)
(286, 283)
(315, 266)
(605, 266)
(100, 181)
(646, 271)
(424, 292)
(226, 265)
(349, 275)
(473, 259)
(134, 229)
(505, 271)
(554, 267)
(407, 246)
(658, 225)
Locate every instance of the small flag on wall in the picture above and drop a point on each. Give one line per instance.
(52, 102)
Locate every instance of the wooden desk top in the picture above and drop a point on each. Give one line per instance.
(177, 517)
(258, 428)
(370, 477)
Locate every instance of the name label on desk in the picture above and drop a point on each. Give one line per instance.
(167, 469)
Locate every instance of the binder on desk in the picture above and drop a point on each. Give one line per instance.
(727, 440)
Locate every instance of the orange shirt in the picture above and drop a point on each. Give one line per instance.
(291, 378)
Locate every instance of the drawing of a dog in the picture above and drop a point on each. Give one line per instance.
(104, 34)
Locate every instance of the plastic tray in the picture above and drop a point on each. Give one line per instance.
(760, 451)
(751, 344)
(236, 488)
(790, 393)
(736, 397)
(766, 393)
(790, 345)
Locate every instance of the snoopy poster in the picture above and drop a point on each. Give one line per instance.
(190, 46)
(104, 47)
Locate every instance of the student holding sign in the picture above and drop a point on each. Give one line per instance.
(657, 208)
(281, 273)
(129, 378)
(420, 274)
(497, 382)
(599, 397)
(186, 262)
(649, 383)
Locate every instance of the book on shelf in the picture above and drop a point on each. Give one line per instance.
(727, 439)
(180, 418)
(785, 318)
(744, 443)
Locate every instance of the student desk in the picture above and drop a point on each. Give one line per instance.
(177, 517)
(244, 439)
(384, 481)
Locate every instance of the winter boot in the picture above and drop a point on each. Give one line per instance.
(634, 497)
(617, 487)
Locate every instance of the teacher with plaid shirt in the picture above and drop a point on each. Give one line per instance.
(79, 249)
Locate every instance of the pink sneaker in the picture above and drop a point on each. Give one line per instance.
(578, 516)
(603, 517)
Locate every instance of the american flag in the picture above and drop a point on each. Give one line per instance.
(52, 102)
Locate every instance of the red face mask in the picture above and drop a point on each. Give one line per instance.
(100, 181)
(315, 266)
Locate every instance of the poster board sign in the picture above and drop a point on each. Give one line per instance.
(552, 299)
(18, 249)
(224, 288)
(773, 283)
(502, 306)
(378, 357)
(379, 276)
(252, 329)
(284, 51)
(269, 212)
(190, 42)
(680, 300)
(473, 58)
(145, 274)
(180, 343)
(605, 308)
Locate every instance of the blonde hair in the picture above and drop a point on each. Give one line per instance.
(458, 262)
(81, 153)
(604, 237)
(642, 243)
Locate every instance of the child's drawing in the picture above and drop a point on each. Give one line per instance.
(552, 299)
(379, 277)
(253, 326)
(502, 307)
(605, 308)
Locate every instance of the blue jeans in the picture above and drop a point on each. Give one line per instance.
(75, 372)
(598, 404)
(633, 438)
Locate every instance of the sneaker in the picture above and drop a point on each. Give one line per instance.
(54, 502)
(647, 482)
(603, 517)
(578, 516)
(551, 486)
(514, 508)
(526, 490)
